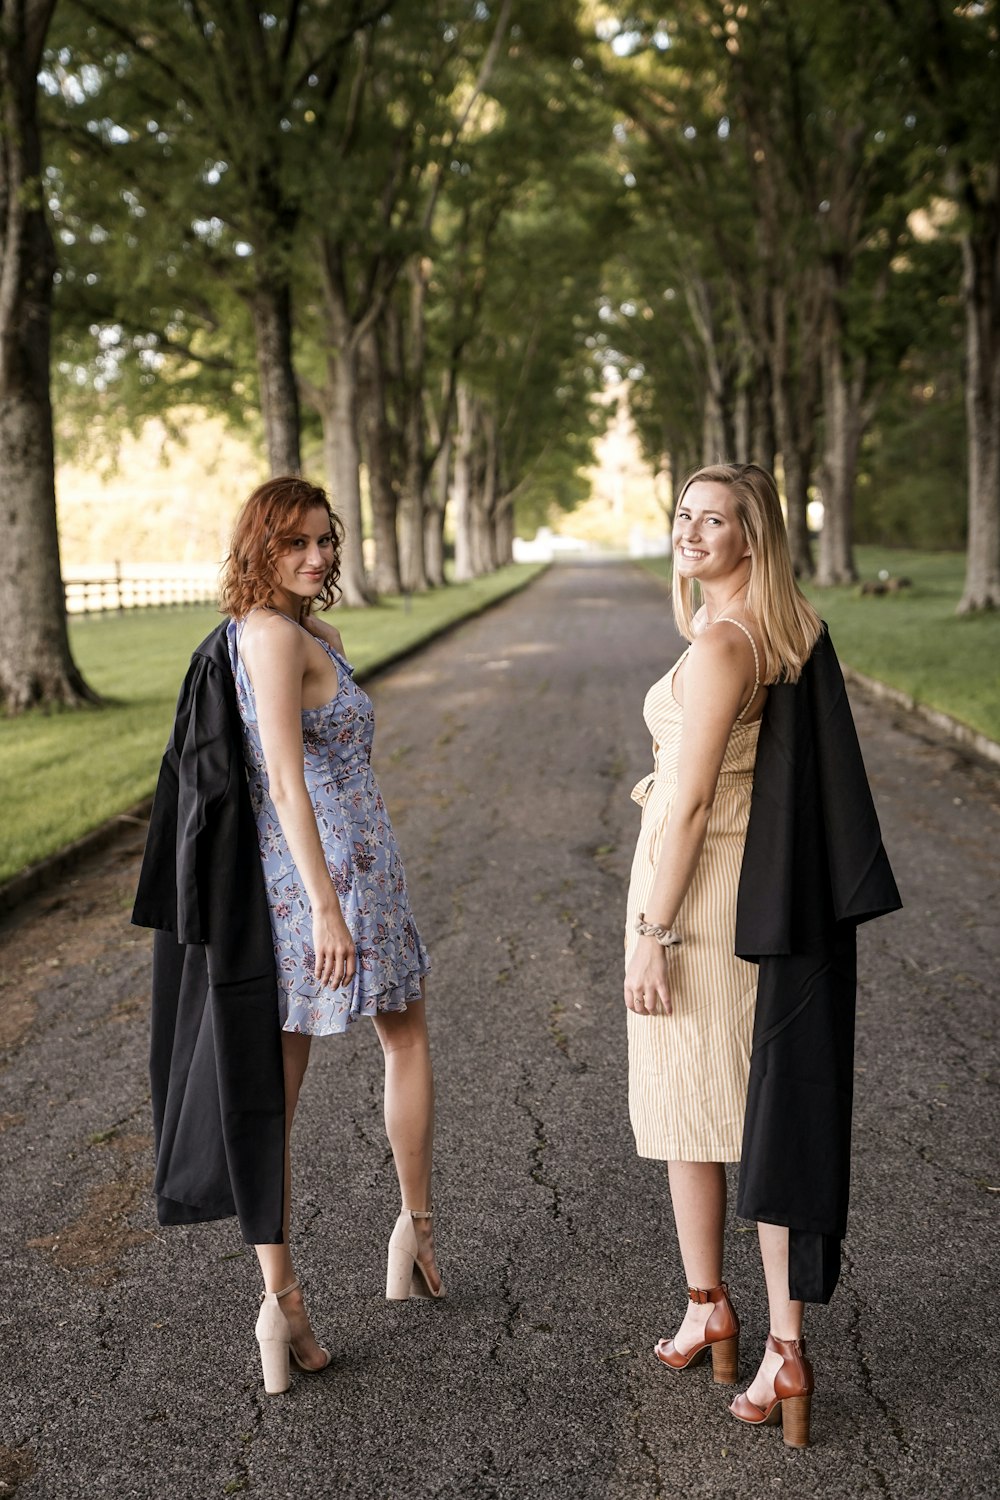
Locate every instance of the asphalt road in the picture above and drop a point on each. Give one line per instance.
(506, 752)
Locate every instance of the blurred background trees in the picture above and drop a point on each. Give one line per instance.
(409, 242)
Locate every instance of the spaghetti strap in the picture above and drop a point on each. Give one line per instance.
(756, 661)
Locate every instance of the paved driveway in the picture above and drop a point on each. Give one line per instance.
(506, 752)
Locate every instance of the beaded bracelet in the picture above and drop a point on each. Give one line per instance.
(666, 936)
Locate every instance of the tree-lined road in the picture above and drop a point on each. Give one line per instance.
(506, 753)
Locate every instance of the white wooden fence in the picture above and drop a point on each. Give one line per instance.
(118, 588)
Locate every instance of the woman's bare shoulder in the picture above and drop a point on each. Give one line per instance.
(328, 632)
(270, 635)
(719, 649)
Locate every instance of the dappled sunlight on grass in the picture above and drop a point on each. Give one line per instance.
(913, 640)
(66, 772)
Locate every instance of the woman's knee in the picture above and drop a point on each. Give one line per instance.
(398, 1030)
(295, 1060)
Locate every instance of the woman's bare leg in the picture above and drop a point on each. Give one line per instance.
(276, 1260)
(698, 1195)
(409, 1117)
(785, 1315)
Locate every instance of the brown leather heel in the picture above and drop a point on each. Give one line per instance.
(792, 1401)
(726, 1361)
(722, 1338)
(795, 1412)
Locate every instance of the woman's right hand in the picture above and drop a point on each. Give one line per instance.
(336, 955)
(647, 982)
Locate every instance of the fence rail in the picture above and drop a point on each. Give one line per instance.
(120, 591)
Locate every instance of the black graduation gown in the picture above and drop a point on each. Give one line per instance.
(813, 868)
(215, 1052)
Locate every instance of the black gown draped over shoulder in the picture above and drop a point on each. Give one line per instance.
(813, 868)
(215, 1050)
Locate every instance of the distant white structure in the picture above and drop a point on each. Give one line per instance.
(545, 545)
(641, 544)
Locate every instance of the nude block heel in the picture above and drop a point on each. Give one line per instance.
(726, 1360)
(273, 1338)
(404, 1275)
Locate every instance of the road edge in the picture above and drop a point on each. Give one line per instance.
(33, 878)
(968, 738)
(971, 740)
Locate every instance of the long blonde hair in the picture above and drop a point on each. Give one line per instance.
(787, 622)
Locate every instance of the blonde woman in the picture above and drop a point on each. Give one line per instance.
(690, 999)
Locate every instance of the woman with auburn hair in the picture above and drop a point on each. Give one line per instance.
(755, 642)
(272, 752)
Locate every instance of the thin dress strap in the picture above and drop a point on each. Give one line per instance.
(756, 661)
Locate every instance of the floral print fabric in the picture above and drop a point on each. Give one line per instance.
(361, 854)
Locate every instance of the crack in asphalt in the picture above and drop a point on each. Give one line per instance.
(537, 1153)
(646, 1450)
(855, 1335)
(104, 1327)
(512, 1308)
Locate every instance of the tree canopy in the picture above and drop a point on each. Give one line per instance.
(420, 235)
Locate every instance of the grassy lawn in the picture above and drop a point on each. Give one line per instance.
(914, 640)
(65, 773)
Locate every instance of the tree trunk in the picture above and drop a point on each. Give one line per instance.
(271, 305)
(718, 430)
(411, 504)
(763, 442)
(412, 564)
(796, 466)
(434, 517)
(843, 426)
(742, 420)
(481, 532)
(36, 666)
(503, 533)
(981, 257)
(462, 489)
(794, 398)
(485, 498)
(343, 461)
(376, 441)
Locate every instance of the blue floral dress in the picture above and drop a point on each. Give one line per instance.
(361, 853)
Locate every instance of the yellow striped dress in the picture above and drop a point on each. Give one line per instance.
(688, 1071)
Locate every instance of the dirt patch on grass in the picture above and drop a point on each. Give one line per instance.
(83, 920)
(17, 1016)
(16, 1465)
(96, 1242)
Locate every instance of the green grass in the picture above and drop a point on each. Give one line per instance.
(914, 640)
(65, 773)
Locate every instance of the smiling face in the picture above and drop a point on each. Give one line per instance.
(709, 545)
(303, 566)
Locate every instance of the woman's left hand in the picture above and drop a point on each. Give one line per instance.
(647, 986)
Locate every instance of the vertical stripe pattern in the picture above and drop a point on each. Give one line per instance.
(688, 1071)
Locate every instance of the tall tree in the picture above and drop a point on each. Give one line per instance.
(218, 107)
(35, 662)
(732, 251)
(952, 53)
(414, 88)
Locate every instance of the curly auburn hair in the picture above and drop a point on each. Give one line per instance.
(268, 521)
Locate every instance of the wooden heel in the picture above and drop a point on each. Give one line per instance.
(726, 1360)
(795, 1421)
